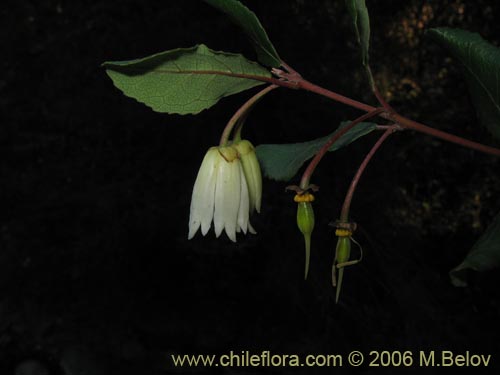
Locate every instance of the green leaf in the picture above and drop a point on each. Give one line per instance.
(481, 61)
(361, 20)
(248, 21)
(484, 256)
(184, 80)
(282, 161)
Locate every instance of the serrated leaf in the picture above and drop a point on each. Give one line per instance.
(282, 161)
(361, 20)
(481, 61)
(484, 256)
(248, 21)
(184, 80)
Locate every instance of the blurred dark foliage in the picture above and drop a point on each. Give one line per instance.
(95, 191)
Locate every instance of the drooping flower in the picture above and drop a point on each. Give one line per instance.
(221, 194)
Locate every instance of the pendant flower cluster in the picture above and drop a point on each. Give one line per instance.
(227, 190)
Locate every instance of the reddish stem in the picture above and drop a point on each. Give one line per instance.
(242, 112)
(381, 100)
(376, 92)
(306, 85)
(291, 84)
(406, 123)
(304, 182)
(297, 82)
(344, 215)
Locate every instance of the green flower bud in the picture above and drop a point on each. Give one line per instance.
(342, 255)
(343, 250)
(305, 222)
(305, 218)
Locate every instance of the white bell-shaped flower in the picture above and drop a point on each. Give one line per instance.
(221, 194)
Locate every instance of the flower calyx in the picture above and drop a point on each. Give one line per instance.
(303, 194)
(343, 229)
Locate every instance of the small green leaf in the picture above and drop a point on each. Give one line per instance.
(282, 161)
(481, 61)
(484, 256)
(361, 20)
(184, 80)
(248, 21)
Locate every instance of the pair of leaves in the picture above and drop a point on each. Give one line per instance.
(282, 161)
(189, 80)
(481, 62)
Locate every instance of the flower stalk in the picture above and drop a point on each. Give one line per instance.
(306, 177)
(344, 215)
(241, 114)
(297, 82)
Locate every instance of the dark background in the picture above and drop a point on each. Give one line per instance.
(96, 273)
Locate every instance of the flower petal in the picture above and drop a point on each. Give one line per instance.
(251, 168)
(227, 196)
(202, 199)
(250, 228)
(244, 204)
(208, 202)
